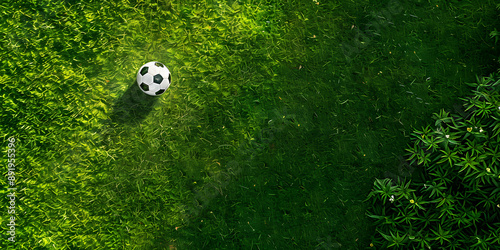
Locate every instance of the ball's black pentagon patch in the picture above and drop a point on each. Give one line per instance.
(159, 64)
(144, 70)
(169, 78)
(157, 78)
(144, 87)
(159, 92)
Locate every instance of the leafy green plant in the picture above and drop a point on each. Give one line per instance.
(495, 34)
(454, 203)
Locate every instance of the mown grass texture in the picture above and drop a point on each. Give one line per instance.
(269, 136)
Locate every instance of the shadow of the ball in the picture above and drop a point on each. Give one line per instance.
(133, 106)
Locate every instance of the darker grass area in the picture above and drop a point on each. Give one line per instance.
(132, 106)
(337, 126)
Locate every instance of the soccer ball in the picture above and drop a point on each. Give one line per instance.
(153, 78)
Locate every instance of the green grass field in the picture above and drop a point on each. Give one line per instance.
(280, 115)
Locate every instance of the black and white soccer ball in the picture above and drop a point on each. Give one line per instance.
(153, 78)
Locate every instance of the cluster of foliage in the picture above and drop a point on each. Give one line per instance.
(454, 203)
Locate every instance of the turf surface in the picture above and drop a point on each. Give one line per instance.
(279, 117)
